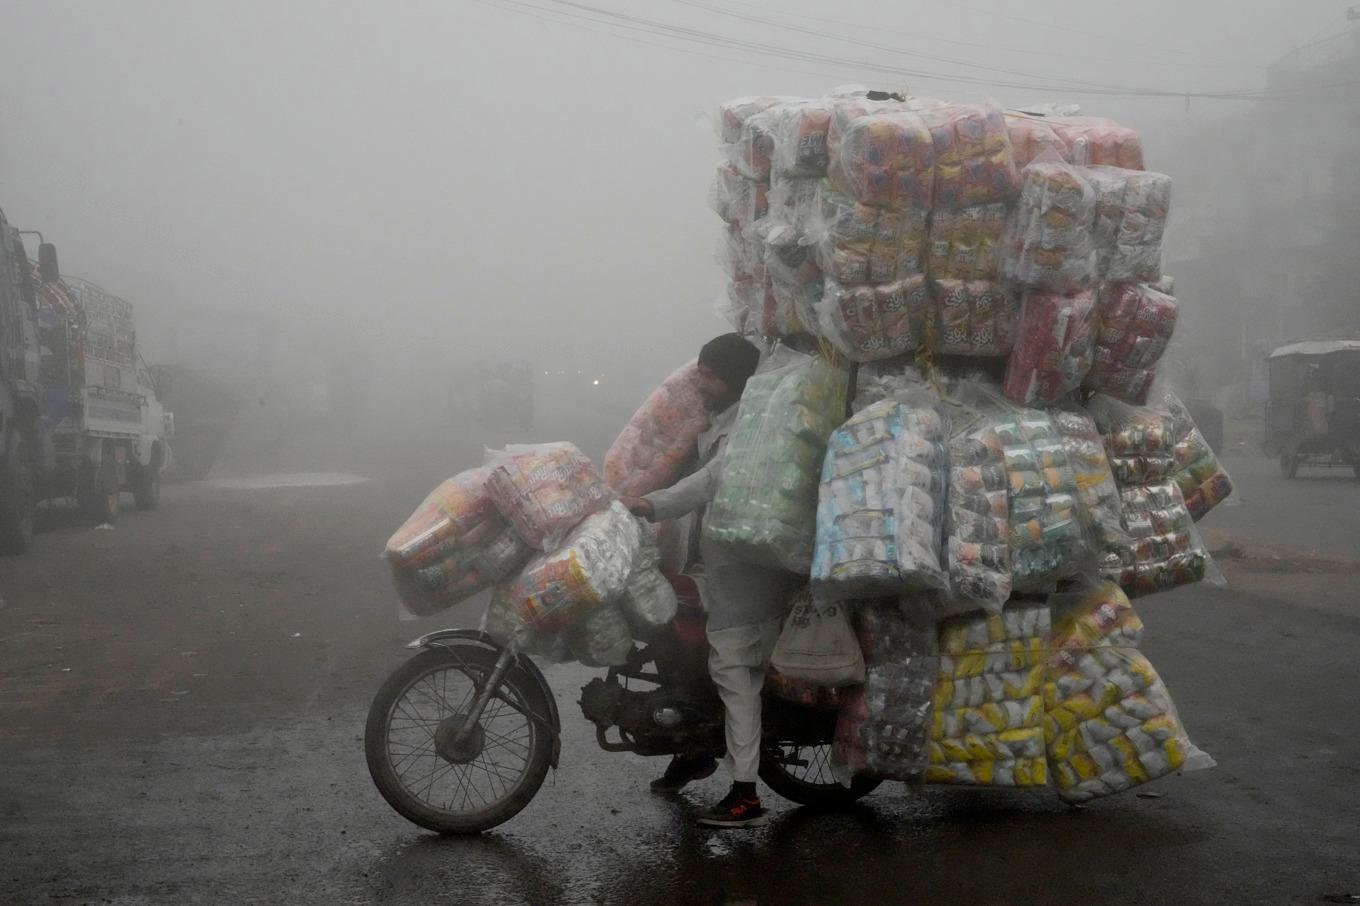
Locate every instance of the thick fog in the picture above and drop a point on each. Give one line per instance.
(419, 186)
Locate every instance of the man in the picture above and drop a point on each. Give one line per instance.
(745, 603)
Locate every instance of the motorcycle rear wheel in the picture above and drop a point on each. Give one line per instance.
(456, 788)
(811, 783)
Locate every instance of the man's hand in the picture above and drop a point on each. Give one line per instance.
(639, 506)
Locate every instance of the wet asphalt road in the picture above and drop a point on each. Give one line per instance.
(182, 704)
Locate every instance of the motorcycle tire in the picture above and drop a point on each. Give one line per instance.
(814, 787)
(465, 664)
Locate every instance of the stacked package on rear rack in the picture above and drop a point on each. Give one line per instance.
(659, 440)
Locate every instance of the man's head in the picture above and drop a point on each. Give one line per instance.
(725, 363)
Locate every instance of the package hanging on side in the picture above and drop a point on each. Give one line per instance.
(817, 644)
(545, 490)
(1054, 347)
(1136, 324)
(660, 439)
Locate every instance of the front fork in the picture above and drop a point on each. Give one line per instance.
(485, 693)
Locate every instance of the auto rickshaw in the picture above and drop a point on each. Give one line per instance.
(1313, 417)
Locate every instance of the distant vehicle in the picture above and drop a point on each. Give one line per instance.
(109, 431)
(1313, 416)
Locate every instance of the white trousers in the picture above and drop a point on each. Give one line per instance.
(737, 659)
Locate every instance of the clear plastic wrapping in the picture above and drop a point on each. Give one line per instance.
(976, 318)
(1031, 138)
(591, 566)
(880, 510)
(884, 379)
(800, 138)
(738, 200)
(1096, 488)
(1130, 220)
(1095, 141)
(454, 545)
(885, 160)
(1136, 324)
(545, 490)
(502, 622)
(882, 729)
(1140, 442)
(1110, 723)
(858, 243)
(795, 279)
(660, 439)
(1054, 346)
(874, 321)
(1163, 549)
(1048, 240)
(972, 162)
(648, 599)
(765, 509)
(977, 527)
(1202, 480)
(602, 638)
(734, 114)
(965, 243)
(987, 724)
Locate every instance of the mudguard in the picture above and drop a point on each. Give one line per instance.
(523, 661)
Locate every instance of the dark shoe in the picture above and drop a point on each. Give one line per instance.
(737, 809)
(682, 771)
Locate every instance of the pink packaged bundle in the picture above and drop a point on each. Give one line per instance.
(976, 317)
(1053, 348)
(965, 243)
(973, 161)
(659, 440)
(1135, 326)
(859, 243)
(869, 322)
(544, 490)
(1032, 137)
(1099, 142)
(733, 114)
(885, 160)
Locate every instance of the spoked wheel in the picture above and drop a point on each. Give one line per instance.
(802, 774)
(450, 781)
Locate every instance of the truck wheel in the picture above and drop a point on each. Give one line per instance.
(98, 495)
(146, 483)
(18, 497)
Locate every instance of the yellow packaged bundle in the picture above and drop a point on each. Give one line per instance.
(988, 719)
(1110, 723)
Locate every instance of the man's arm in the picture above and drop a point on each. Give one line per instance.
(689, 493)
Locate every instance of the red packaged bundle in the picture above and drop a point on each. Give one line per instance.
(976, 318)
(1054, 347)
(652, 450)
(458, 513)
(546, 490)
(1136, 323)
(733, 114)
(1099, 142)
(875, 321)
(1032, 137)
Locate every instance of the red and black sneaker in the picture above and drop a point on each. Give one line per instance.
(737, 809)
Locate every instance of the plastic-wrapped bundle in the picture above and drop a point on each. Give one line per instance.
(601, 638)
(885, 160)
(648, 599)
(1110, 724)
(1048, 239)
(965, 243)
(753, 151)
(733, 114)
(858, 243)
(794, 203)
(802, 692)
(738, 200)
(1131, 212)
(882, 728)
(1096, 487)
(1032, 138)
(877, 321)
(1136, 323)
(765, 510)
(742, 257)
(882, 380)
(1054, 347)
(978, 520)
(795, 279)
(1163, 549)
(454, 545)
(502, 622)
(846, 110)
(1202, 480)
(545, 490)
(800, 138)
(987, 727)
(880, 509)
(659, 440)
(977, 318)
(1095, 141)
(973, 162)
(592, 566)
(1140, 442)
(1047, 538)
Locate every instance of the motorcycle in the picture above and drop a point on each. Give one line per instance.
(460, 738)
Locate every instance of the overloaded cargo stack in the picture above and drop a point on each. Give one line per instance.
(956, 430)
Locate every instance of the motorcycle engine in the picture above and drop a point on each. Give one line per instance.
(654, 722)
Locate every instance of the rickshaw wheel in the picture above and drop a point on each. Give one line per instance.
(1289, 464)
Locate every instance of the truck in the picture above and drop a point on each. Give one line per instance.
(100, 400)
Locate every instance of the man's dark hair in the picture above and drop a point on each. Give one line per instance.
(731, 357)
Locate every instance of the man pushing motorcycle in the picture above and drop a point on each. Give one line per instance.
(745, 603)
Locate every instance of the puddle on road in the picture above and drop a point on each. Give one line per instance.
(287, 480)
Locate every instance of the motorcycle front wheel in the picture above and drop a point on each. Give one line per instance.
(802, 774)
(440, 778)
